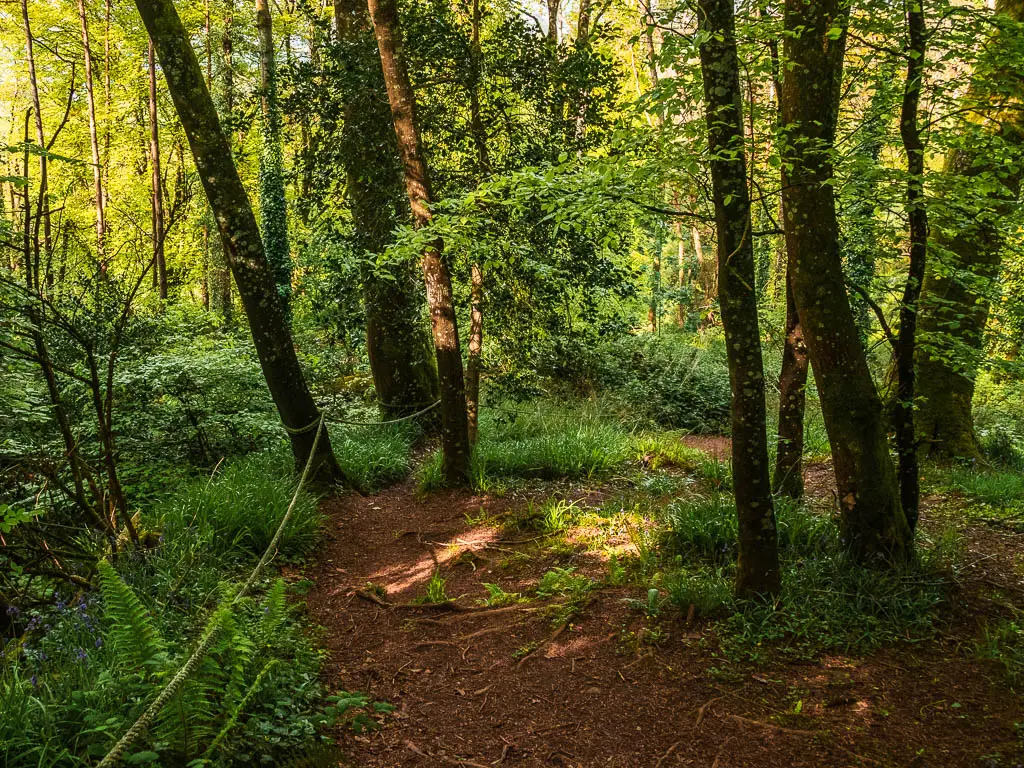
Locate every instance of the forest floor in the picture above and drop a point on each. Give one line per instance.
(597, 683)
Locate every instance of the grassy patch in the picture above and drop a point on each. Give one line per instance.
(237, 513)
(996, 488)
(828, 603)
(541, 442)
(373, 457)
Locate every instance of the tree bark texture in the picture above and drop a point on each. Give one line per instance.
(873, 525)
(964, 265)
(455, 429)
(397, 342)
(240, 234)
(789, 453)
(758, 564)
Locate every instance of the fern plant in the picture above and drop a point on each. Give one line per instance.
(131, 628)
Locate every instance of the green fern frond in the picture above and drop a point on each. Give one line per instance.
(130, 627)
(275, 610)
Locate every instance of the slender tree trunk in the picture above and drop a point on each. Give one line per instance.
(159, 265)
(455, 437)
(397, 342)
(44, 185)
(273, 210)
(220, 298)
(963, 267)
(94, 144)
(476, 315)
(872, 520)
(553, 8)
(789, 453)
(240, 233)
(910, 133)
(758, 565)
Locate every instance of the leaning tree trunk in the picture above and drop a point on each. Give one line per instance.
(273, 210)
(872, 520)
(455, 436)
(397, 343)
(964, 265)
(240, 234)
(758, 564)
(157, 198)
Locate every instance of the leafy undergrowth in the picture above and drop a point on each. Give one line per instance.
(87, 665)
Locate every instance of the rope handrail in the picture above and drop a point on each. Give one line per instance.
(140, 726)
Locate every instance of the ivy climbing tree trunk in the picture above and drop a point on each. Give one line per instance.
(873, 525)
(240, 233)
(397, 342)
(966, 252)
(455, 429)
(758, 563)
(273, 209)
(157, 196)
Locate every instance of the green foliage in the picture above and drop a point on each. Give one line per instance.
(994, 488)
(130, 628)
(1004, 644)
(497, 597)
(541, 442)
(435, 592)
(372, 458)
(238, 512)
(828, 602)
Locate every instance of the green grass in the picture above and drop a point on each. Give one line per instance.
(372, 458)
(237, 513)
(542, 441)
(996, 488)
(828, 602)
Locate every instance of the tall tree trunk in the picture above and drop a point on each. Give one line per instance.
(910, 133)
(476, 298)
(44, 184)
(872, 520)
(789, 448)
(273, 210)
(963, 266)
(240, 233)
(220, 288)
(758, 565)
(397, 342)
(157, 199)
(94, 144)
(455, 436)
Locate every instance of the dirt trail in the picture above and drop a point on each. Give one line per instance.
(508, 688)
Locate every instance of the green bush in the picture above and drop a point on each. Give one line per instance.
(372, 458)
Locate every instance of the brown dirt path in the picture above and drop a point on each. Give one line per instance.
(593, 693)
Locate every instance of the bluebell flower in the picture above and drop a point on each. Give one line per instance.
(99, 642)
(81, 654)
(34, 680)
(13, 610)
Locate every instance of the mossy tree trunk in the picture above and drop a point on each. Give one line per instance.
(758, 566)
(404, 373)
(240, 233)
(966, 252)
(273, 208)
(873, 525)
(455, 428)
